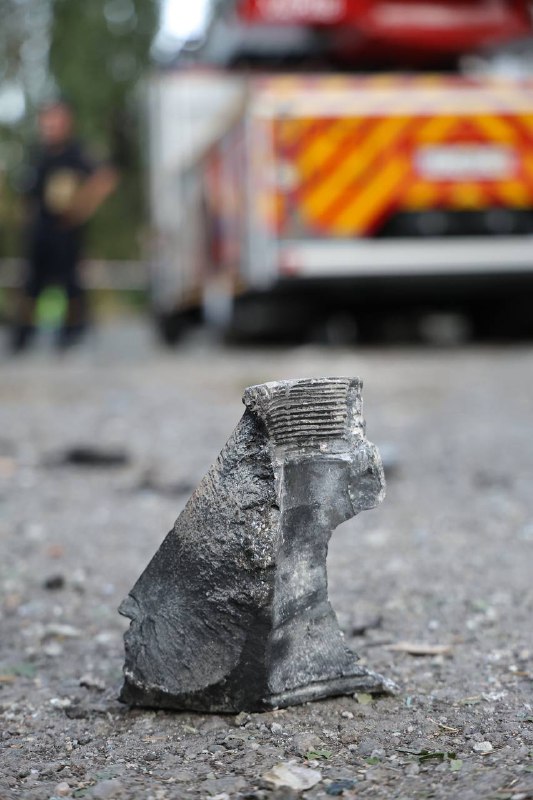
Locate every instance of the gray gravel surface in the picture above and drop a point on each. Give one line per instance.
(445, 564)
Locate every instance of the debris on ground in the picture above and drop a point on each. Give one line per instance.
(89, 456)
(421, 649)
(292, 776)
(446, 559)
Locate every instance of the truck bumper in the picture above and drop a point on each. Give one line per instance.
(482, 255)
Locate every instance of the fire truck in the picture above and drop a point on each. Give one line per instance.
(317, 158)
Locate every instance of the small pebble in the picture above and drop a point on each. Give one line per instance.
(216, 748)
(53, 650)
(367, 746)
(62, 789)
(183, 776)
(305, 741)
(482, 747)
(337, 788)
(213, 724)
(231, 784)
(60, 702)
(54, 582)
(291, 775)
(106, 789)
(90, 682)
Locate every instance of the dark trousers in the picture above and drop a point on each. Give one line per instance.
(53, 260)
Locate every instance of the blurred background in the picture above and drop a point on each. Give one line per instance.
(303, 188)
(338, 170)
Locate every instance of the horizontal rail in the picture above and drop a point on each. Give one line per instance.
(407, 257)
(97, 274)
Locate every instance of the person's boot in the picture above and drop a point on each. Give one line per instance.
(21, 338)
(69, 336)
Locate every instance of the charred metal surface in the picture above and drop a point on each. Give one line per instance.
(232, 612)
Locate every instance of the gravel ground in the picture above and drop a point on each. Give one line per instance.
(445, 564)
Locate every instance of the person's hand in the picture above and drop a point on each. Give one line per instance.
(91, 195)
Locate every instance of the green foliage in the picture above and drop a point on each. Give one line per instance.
(439, 755)
(316, 754)
(98, 52)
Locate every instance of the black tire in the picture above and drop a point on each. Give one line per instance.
(268, 318)
(510, 319)
(170, 328)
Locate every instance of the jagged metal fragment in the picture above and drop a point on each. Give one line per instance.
(232, 612)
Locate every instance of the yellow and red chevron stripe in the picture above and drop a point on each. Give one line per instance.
(350, 171)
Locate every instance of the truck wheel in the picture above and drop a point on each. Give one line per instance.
(263, 317)
(170, 328)
(338, 329)
(510, 319)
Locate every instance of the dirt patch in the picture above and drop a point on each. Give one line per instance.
(445, 562)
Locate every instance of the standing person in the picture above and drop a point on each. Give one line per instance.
(65, 189)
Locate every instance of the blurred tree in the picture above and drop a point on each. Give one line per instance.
(99, 51)
(24, 42)
(94, 52)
